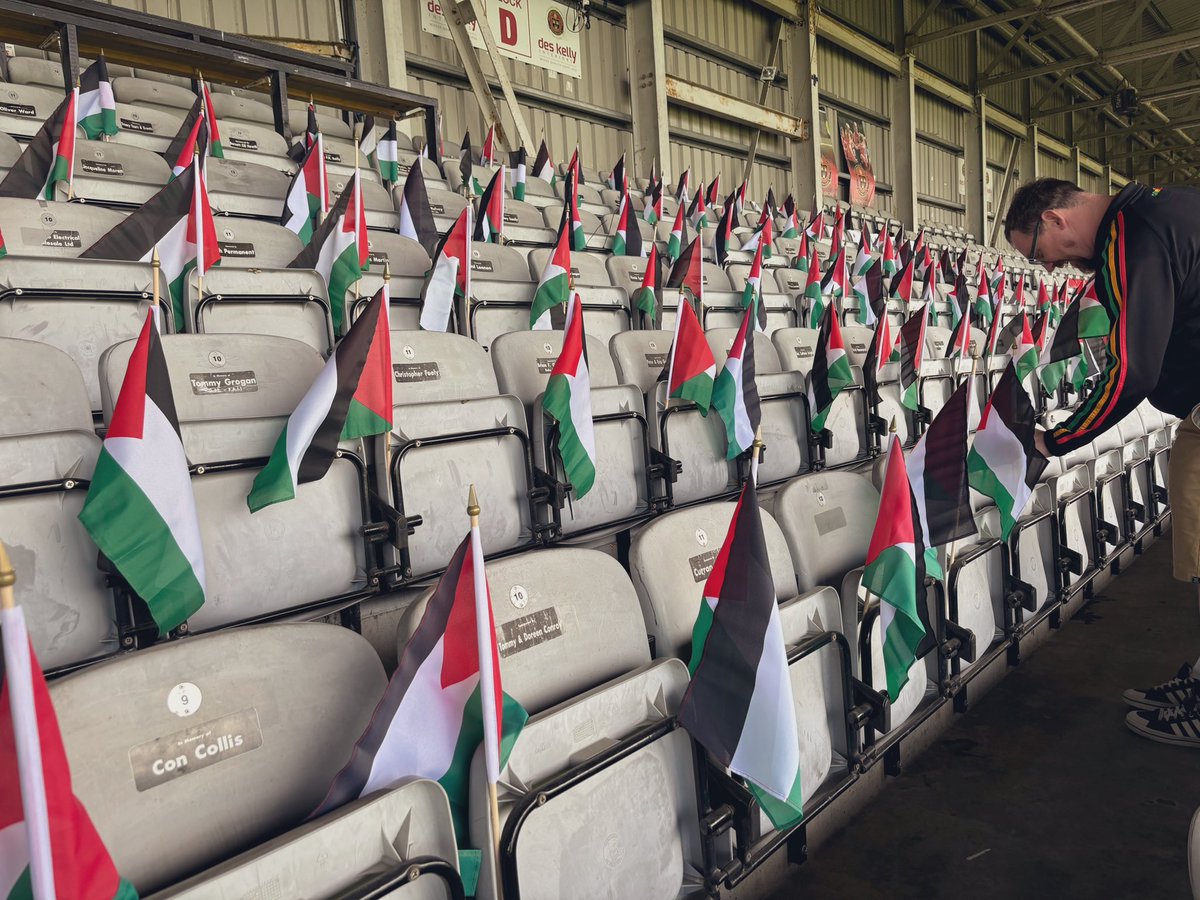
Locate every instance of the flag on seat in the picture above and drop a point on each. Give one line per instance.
(792, 227)
(867, 290)
(697, 213)
(690, 366)
(465, 166)
(568, 401)
(307, 198)
(911, 347)
(888, 254)
(215, 148)
(800, 260)
(490, 224)
(190, 140)
(554, 287)
(368, 141)
(543, 166)
(97, 107)
(678, 236)
(436, 692)
(739, 704)
(652, 211)
(338, 250)
(387, 155)
(879, 352)
(1003, 463)
(49, 159)
(812, 288)
(617, 179)
(734, 394)
(752, 292)
(179, 222)
(648, 296)
(902, 282)
(836, 282)
(517, 162)
(350, 398)
(959, 345)
(416, 216)
(1093, 317)
(763, 236)
(1025, 353)
(487, 153)
(628, 239)
(571, 205)
(449, 280)
(830, 373)
(723, 238)
(687, 273)
(897, 561)
(58, 853)
(140, 510)
(937, 471)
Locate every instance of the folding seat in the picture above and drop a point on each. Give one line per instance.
(538, 193)
(590, 268)
(377, 203)
(1070, 481)
(244, 108)
(24, 107)
(37, 71)
(601, 745)
(1158, 445)
(501, 293)
(252, 243)
(154, 95)
(453, 428)
(239, 188)
(787, 248)
(233, 394)
(738, 272)
(147, 127)
(446, 206)
(164, 743)
(621, 495)
(610, 221)
(434, 179)
(10, 152)
(341, 155)
(524, 224)
(589, 202)
(670, 561)
(612, 199)
(1107, 470)
(723, 309)
(331, 125)
(847, 436)
(115, 174)
(255, 142)
(784, 407)
(1138, 476)
(715, 281)
(47, 452)
(688, 449)
(595, 234)
(164, 77)
(827, 519)
(408, 264)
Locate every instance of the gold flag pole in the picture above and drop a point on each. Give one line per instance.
(7, 579)
(71, 177)
(755, 452)
(473, 511)
(387, 435)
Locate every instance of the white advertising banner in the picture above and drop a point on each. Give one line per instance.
(529, 31)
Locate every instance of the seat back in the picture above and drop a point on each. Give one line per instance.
(166, 741)
(154, 95)
(116, 174)
(255, 142)
(24, 107)
(377, 202)
(586, 268)
(286, 302)
(53, 229)
(827, 519)
(245, 109)
(148, 127)
(253, 243)
(240, 188)
(639, 356)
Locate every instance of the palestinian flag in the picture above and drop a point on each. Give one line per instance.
(878, 354)
(763, 236)
(697, 213)
(48, 159)
(734, 394)
(628, 239)
(648, 296)
(543, 166)
(307, 198)
(792, 228)
(1003, 463)
(571, 206)
(739, 198)
(416, 216)
(837, 235)
(687, 273)
(993, 334)
(517, 162)
(1078, 369)
(351, 398)
(574, 166)
(690, 367)
(368, 141)
(752, 292)
(387, 155)
(678, 236)
(653, 210)
(983, 299)
(466, 164)
(812, 289)
(929, 290)
(816, 222)
(947, 270)
(568, 400)
(901, 286)
(339, 250)
(959, 346)
(3, 247)
(140, 510)
(830, 373)
(490, 225)
(617, 179)
(714, 192)
(683, 187)
(179, 222)
(863, 259)
(911, 346)
(1043, 297)
(554, 287)
(868, 294)
(214, 132)
(724, 234)
(958, 301)
(888, 255)
(449, 281)
(998, 281)
(1018, 297)
(437, 692)
(487, 153)
(836, 281)
(739, 704)
(800, 260)
(97, 108)
(1093, 317)
(1053, 359)
(312, 129)
(895, 573)
(1025, 353)
(191, 140)
(937, 471)
(58, 852)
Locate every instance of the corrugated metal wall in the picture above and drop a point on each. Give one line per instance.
(313, 20)
(939, 150)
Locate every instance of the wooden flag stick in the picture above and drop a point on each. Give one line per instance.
(156, 269)
(387, 435)
(486, 690)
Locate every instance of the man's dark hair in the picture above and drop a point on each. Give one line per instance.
(1034, 198)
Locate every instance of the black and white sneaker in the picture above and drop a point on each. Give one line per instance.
(1167, 695)
(1179, 725)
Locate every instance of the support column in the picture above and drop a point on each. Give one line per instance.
(647, 59)
(1076, 167)
(904, 144)
(803, 99)
(1027, 165)
(1108, 179)
(976, 164)
(381, 43)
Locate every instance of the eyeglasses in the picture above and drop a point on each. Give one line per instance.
(1032, 258)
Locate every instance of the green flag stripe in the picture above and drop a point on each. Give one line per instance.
(362, 422)
(274, 483)
(983, 479)
(580, 469)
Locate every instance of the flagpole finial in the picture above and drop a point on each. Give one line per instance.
(892, 428)
(473, 504)
(387, 272)
(7, 579)
(758, 444)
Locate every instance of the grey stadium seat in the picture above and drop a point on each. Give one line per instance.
(586, 268)
(54, 229)
(41, 72)
(445, 205)
(147, 127)
(10, 152)
(408, 263)
(330, 125)
(243, 108)
(116, 174)
(253, 243)
(154, 95)
(24, 107)
(255, 142)
(285, 302)
(240, 188)
(233, 394)
(47, 452)
(377, 203)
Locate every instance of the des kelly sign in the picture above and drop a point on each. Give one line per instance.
(529, 31)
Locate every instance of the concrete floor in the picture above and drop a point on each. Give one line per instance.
(1040, 790)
